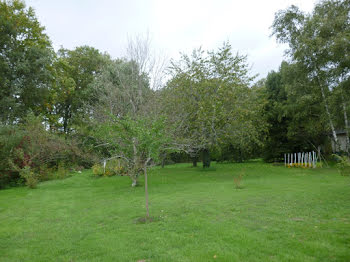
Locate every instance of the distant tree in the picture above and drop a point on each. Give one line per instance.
(25, 62)
(121, 89)
(72, 91)
(294, 113)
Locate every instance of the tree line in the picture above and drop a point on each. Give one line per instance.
(77, 107)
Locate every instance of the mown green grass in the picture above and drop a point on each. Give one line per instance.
(280, 215)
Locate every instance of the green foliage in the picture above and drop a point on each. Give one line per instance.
(116, 167)
(294, 113)
(29, 144)
(10, 138)
(136, 142)
(229, 153)
(318, 50)
(72, 92)
(97, 170)
(31, 178)
(62, 171)
(209, 103)
(25, 62)
(343, 164)
(45, 173)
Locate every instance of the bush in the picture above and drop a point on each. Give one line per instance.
(116, 167)
(62, 172)
(97, 170)
(10, 137)
(31, 179)
(45, 173)
(30, 144)
(343, 164)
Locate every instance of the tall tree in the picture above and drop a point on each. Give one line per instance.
(209, 102)
(319, 43)
(72, 91)
(294, 113)
(25, 62)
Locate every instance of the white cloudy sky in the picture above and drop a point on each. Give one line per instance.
(174, 25)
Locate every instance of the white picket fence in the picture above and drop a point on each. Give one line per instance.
(301, 159)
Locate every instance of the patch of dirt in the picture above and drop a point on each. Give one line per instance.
(297, 219)
(144, 220)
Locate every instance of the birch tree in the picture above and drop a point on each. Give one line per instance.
(320, 43)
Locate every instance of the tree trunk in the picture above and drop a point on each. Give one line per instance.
(134, 181)
(66, 119)
(136, 163)
(146, 191)
(194, 161)
(206, 158)
(240, 156)
(163, 159)
(346, 122)
(335, 137)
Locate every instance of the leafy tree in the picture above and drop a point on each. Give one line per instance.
(209, 103)
(276, 142)
(72, 92)
(25, 62)
(138, 141)
(319, 44)
(294, 113)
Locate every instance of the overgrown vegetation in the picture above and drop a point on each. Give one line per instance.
(343, 165)
(30, 152)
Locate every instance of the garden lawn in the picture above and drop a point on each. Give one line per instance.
(280, 214)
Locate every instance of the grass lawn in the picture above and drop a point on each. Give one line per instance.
(280, 214)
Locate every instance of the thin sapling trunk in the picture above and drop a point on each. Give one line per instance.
(146, 191)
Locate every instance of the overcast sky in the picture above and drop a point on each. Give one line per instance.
(174, 25)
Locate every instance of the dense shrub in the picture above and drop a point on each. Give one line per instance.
(62, 171)
(30, 144)
(10, 137)
(30, 178)
(97, 170)
(343, 164)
